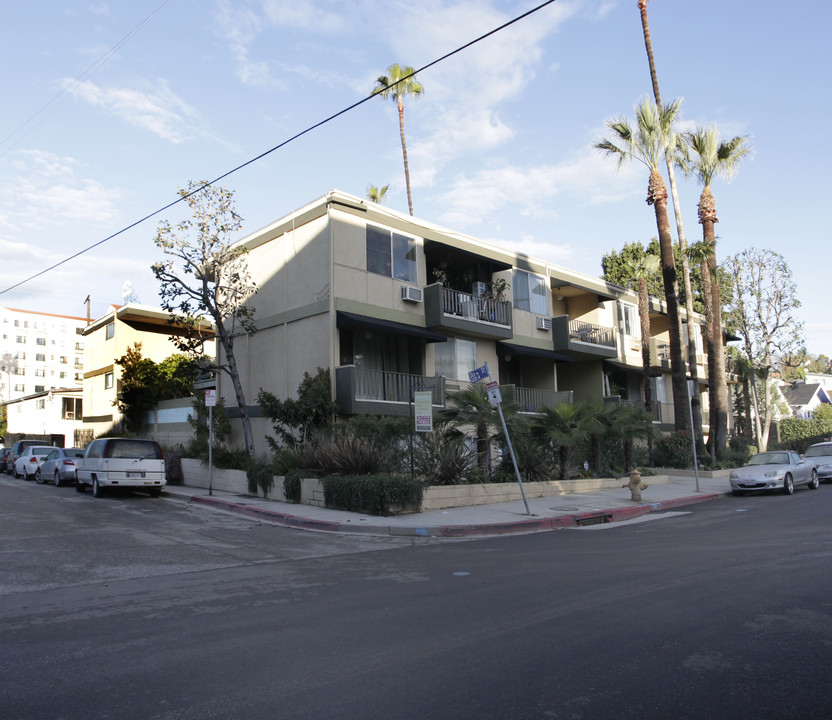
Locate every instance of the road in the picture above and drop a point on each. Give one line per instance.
(130, 607)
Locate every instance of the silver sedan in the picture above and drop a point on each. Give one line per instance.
(820, 455)
(775, 470)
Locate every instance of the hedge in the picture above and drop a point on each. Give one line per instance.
(798, 434)
(372, 494)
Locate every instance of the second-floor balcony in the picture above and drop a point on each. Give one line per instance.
(583, 339)
(532, 400)
(455, 311)
(659, 354)
(379, 392)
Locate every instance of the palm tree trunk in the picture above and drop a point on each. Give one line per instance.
(647, 390)
(404, 155)
(657, 196)
(648, 45)
(705, 271)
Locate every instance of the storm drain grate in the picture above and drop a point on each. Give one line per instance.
(594, 520)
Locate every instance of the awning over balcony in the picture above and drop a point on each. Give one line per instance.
(514, 349)
(352, 320)
(614, 365)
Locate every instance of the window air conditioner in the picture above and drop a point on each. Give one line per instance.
(411, 294)
(544, 323)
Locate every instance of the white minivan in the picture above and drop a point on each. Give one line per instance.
(121, 462)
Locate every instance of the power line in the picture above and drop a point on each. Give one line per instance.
(294, 137)
(36, 117)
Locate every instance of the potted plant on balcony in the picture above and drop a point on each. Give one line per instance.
(498, 287)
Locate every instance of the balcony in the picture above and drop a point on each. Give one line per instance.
(533, 401)
(583, 340)
(454, 311)
(659, 354)
(377, 392)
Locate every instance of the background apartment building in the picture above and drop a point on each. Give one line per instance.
(39, 352)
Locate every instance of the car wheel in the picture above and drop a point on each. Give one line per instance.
(97, 490)
(39, 477)
(788, 485)
(814, 483)
(57, 479)
(79, 486)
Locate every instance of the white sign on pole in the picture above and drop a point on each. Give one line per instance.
(493, 390)
(210, 398)
(423, 406)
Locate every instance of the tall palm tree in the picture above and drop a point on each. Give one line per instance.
(713, 159)
(641, 270)
(399, 83)
(375, 194)
(645, 142)
(680, 229)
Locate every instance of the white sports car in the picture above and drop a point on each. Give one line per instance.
(775, 470)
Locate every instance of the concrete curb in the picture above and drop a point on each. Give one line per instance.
(531, 525)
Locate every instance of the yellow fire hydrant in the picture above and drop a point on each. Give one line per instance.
(636, 485)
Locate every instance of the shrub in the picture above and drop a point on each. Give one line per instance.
(291, 485)
(798, 434)
(373, 494)
(259, 476)
(674, 451)
(440, 459)
(173, 467)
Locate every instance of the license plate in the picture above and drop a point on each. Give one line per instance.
(135, 474)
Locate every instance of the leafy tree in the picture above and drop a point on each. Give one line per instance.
(670, 154)
(763, 313)
(819, 364)
(207, 276)
(617, 265)
(376, 195)
(645, 142)
(713, 159)
(296, 420)
(399, 83)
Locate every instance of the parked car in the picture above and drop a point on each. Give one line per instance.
(15, 451)
(59, 466)
(820, 455)
(774, 470)
(30, 460)
(4, 455)
(121, 462)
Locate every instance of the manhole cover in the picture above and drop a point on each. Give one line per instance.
(564, 509)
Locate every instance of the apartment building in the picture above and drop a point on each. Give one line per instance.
(391, 303)
(39, 352)
(107, 340)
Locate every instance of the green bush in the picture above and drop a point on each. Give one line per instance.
(260, 477)
(674, 451)
(173, 466)
(441, 459)
(291, 485)
(373, 494)
(798, 434)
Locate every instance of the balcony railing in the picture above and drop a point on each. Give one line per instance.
(532, 400)
(589, 333)
(379, 392)
(483, 309)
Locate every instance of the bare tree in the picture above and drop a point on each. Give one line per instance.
(207, 277)
(763, 314)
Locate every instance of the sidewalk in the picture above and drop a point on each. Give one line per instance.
(550, 513)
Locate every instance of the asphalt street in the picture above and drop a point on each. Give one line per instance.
(131, 607)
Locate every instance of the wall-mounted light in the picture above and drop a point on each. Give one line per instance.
(558, 295)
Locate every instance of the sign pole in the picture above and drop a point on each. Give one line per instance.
(210, 401)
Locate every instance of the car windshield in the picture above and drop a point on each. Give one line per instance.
(770, 459)
(819, 451)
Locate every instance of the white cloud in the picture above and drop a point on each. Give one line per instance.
(45, 185)
(160, 111)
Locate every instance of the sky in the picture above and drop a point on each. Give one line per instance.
(110, 107)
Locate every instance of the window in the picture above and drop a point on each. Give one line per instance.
(40, 357)
(17, 323)
(19, 388)
(40, 404)
(62, 375)
(71, 409)
(455, 358)
(108, 380)
(111, 330)
(40, 372)
(20, 355)
(40, 341)
(63, 359)
(21, 339)
(39, 388)
(391, 254)
(18, 371)
(629, 320)
(529, 292)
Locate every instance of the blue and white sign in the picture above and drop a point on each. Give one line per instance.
(481, 373)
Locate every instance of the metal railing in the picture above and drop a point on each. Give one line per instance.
(480, 309)
(532, 400)
(589, 333)
(395, 387)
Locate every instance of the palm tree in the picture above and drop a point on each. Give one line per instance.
(470, 408)
(375, 194)
(630, 423)
(564, 426)
(641, 270)
(646, 143)
(715, 158)
(400, 82)
(680, 229)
